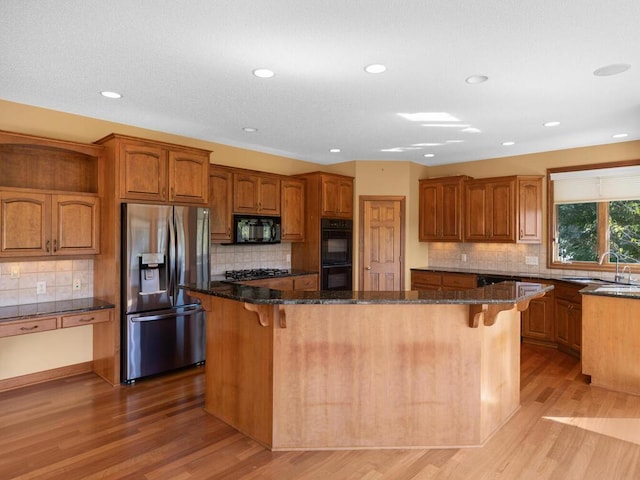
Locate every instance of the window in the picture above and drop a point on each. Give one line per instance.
(594, 210)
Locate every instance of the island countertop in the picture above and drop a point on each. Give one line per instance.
(500, 293)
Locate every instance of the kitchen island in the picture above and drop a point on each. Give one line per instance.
(331, 370)
(611, 336)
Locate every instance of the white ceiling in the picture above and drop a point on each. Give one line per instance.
(184, 67)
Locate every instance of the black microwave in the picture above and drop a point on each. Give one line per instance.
(256, 229)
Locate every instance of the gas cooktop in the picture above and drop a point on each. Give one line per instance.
(255, 273)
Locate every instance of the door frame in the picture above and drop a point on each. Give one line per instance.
(361, 233)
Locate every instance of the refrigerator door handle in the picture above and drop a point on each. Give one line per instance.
(162, 316)
(171, 252)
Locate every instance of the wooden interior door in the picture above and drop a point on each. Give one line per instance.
(382, 240)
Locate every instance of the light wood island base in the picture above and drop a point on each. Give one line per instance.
(338, 376)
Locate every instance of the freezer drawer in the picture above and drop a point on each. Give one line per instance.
(162, 341)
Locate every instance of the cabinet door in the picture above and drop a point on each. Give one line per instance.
(75, 225)
(562, 321)
(451, 211)
(221, 204)
(502, 211)
(246, 193)
(537, 320)
(576, 330)
(269, 196)
(429, 219)
(143, 172)
(426, 280)
(293, 210)
(530, 210)
(306, 282)
(25, 221)
(477, 205)
(188, 177)
(345, 208)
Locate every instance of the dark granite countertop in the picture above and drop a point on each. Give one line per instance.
(613, 290)
(19, 312)
(516, 276)
(506, 292)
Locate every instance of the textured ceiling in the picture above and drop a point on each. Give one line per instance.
(184, 67)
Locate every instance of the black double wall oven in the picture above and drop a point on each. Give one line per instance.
(336, 252)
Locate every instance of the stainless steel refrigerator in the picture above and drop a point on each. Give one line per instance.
(163, 328)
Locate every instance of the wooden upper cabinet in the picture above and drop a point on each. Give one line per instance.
(75, 224)
(530, 209)
(159, 172)
(221, 204)
(36, 224)
(188, 177)
(256, 193)
(337, 196)
(504, 209)
(441, 209)
(293, 210)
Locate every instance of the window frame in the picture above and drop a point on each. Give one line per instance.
(603, 217)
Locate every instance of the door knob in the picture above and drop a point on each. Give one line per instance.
(368, 268)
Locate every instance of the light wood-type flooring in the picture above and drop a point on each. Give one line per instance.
(82, 428)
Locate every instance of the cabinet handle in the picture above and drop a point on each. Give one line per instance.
(55, 245)
(90, 319)
(173, 193)
(521, 233)
(47, 246)
(26, 329)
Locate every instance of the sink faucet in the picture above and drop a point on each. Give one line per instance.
(618, 277)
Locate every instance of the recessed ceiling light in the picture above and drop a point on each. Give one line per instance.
(335, 150)
(455, 141)
(474, 79)
(551, 124)
(263, 73)
(429, 117)
(429, 155)
(426, 144)
(613, 69)
(470, 130)
(110, 94)
(507, 144)
(620, 135)
(375, 68)
(249, 129)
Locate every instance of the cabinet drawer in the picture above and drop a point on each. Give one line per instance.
(567, 292)
(307, 282)
(28, 326)
(285, 283)
(422, 279)
(458, 281)
(86, 318)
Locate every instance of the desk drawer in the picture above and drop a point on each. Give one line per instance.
(86, 318)
(28, 326)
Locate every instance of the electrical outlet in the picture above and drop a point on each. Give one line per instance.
(288, 257)
(15, 271)
(41, 287)
(77, 284)
(531, 260)
(463, 257)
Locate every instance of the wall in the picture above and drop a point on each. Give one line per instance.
(249, 257)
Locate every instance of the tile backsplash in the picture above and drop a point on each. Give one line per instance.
(240, 257)
(19, 281)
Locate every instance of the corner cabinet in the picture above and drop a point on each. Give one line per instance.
(221, 203)
(441, 202)
(503, 209)
(292, 210)
(159, 172)
(256, 193)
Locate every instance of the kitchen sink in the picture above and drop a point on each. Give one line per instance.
(585, 280)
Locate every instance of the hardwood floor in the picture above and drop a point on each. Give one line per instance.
(82, 428)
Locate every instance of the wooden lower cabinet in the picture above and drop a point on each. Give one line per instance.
(423, 280)
(568, 318)
(293, 282)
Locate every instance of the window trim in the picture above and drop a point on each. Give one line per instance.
(602, 222)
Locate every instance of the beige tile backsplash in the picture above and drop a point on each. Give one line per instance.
(240, 257)
(58, 275)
